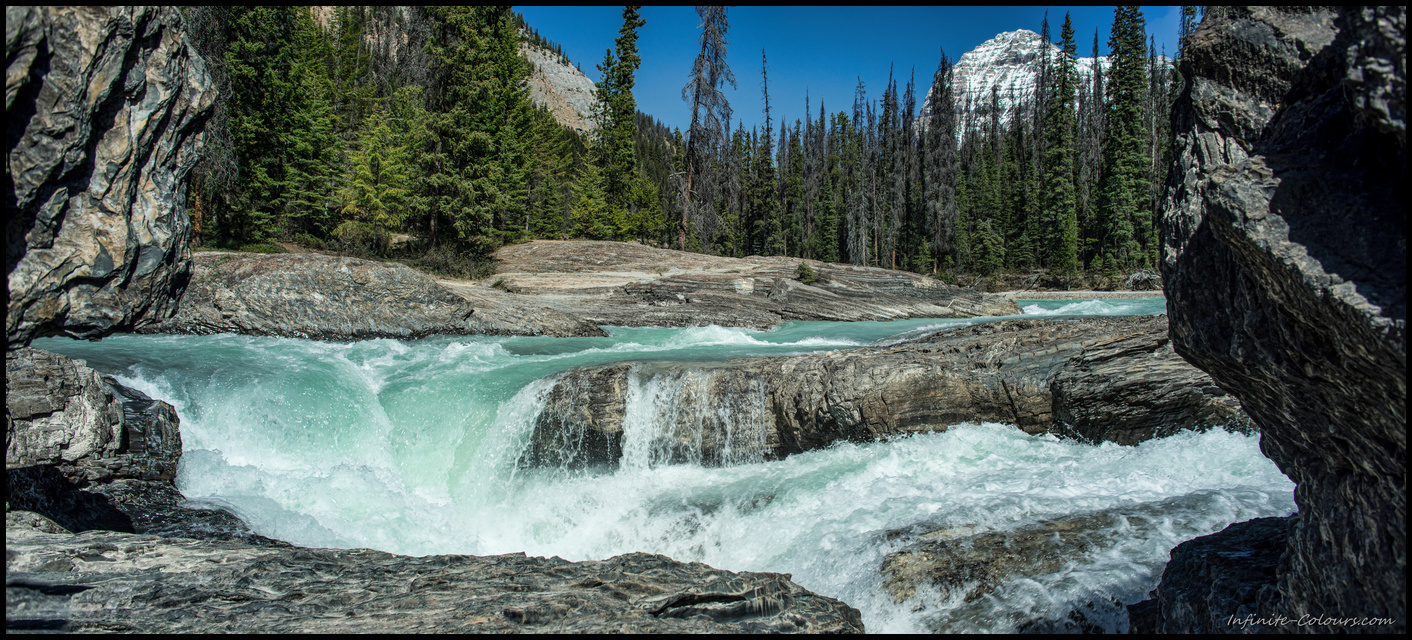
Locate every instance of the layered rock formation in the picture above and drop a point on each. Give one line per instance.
(105, 108)
(629, 284)
(102, 581)
(84, 452)
(1114, 379)
(1284, 264)
(328, 298)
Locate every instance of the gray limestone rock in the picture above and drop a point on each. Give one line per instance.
(105, 109)
(104, 581)
(330, 298)
(61, 413)
(628, 284)
(1285, 262)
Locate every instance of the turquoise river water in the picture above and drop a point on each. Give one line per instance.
(413, 447)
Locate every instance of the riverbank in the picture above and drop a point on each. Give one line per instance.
(1077, 295)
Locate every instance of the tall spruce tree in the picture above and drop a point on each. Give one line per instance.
(940, 160)
(1059, 217)
(617, 130)
(1125, 221)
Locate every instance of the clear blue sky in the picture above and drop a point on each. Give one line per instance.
(824, 50)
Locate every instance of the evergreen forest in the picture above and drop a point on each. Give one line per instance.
(409, 132)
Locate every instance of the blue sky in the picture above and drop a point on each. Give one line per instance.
(824, 50)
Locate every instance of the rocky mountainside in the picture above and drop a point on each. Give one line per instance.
(1285, 268)
(560, 87)
(1010, 62)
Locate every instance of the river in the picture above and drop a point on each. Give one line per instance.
(413, 447)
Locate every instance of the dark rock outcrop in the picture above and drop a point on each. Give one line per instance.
(1285, 253)
(60, 413)
(329, 298)
(86, 452)
(1113, 379)
(965, 567)
(101, 581)
(1221, 583)
(104, 109)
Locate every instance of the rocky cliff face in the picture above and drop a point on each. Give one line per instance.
(104, 109)
(1284, 263)
(561, 88)
(1109, 379)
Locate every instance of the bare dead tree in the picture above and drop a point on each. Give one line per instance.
(710, 111)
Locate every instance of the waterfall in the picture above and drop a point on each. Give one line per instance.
(695, 416)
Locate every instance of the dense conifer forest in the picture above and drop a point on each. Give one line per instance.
(355, 128)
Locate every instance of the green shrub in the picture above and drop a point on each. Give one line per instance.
(448, 262)
(261, 247)
(307, 240)
(806, 274)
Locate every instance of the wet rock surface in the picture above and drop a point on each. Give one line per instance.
(1112, 379)
(102, 581)
(1221, 583)
(331, 298)
(1285, 273)
(969, 567)
(105, 108)
(88, 453)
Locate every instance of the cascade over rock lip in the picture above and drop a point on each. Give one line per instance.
(1096, 379)
(1284, 265)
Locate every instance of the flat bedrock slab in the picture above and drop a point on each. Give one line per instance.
(628, 284)
(331, 298)
(1285, 269)
(104, 581)
(1109, 379)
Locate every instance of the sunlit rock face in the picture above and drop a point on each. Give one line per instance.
(104, 111)
(1285, 260)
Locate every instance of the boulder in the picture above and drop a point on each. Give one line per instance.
(105, 109)
(1221, 583)
(103, 581)
(1284, 265)
(1113, 379)
(86, 452)
(60, 413)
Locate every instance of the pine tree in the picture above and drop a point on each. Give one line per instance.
(1124, 219)
(941, 162)
(1091, 125)
(375, 193)
(617, 129)
(1059, 215)
(478, 143)
(590, 213)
